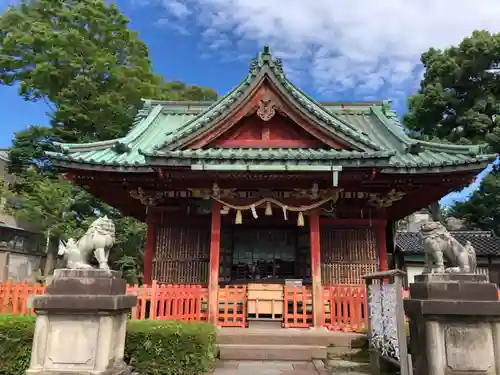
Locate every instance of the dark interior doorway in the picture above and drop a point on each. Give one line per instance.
(267, 254)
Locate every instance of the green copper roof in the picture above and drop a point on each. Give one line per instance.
(161, 129)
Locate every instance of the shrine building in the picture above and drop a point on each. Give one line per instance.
(267, 185)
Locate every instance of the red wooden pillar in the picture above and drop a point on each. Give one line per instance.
(382, 246)
(213, 282)
(317, 289)
(150, 248)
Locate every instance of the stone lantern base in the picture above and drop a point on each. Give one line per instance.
(454, 325)
(81, 324)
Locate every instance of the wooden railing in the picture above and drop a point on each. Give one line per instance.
(169, 302)
(298, 307)
(14, 297)
(344, 306)
(233, 306)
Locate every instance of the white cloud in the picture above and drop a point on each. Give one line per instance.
(176, 8)
(365, 45)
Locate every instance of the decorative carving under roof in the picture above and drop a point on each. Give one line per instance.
(147, 198)
(384, 201)
(313, 193)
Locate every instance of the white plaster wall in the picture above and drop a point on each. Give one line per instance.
(412, 271)
(22, 267)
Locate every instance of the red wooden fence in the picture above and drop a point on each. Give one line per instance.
(297, 307)
(14, 297)
(233, 306)
(344, 306)
(164, 302)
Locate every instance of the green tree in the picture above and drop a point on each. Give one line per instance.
(54, 206)
(176, 90)
(482, 210)
(128, 252)
(48, 201)
(61, 210)
(459, 101)
(81, 58)
(459, 96)
(28, 149)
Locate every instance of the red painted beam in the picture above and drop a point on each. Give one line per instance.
(213, 282)
(150, 248)
(353, 222)
(268, 143)
(317, 289)
(382, 248)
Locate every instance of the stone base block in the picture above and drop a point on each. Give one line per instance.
(117, 370)
(78, 343)
(453, 277)
(81, 333)
(454, 325)
(458, 287)
(455, 346)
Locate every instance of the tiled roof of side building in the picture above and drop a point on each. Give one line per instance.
(484, 242)
(161, 128)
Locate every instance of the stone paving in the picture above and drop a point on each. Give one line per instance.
(264, 368)
(275, 368)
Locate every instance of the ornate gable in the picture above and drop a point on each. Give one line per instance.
(266, 120)
(268, 95)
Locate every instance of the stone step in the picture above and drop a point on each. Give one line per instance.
(249, 352)
(290, 337)
(342, 367)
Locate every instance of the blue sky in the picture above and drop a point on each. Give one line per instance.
(332, 49)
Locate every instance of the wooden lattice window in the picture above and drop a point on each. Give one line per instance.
(182, 254)
(347, 254)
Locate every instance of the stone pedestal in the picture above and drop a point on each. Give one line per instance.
(81, 324)
(454, 325)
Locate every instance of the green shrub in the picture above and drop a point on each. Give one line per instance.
(16, 337)
(170, 347)
(152, 347)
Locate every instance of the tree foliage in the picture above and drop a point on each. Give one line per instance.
(52, 203)
(459, 96)
(81, 58)
(28, 149)
(459, 102)
(482, 210)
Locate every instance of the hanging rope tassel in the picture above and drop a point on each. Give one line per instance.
(285, 213)
(239, 218)
(254, 212)
(269, 209)
(300, 219)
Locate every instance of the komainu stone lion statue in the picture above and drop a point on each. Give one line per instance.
(439, 245)
(99, 236)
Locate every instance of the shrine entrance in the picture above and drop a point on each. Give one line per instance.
(264, 259)
(264, 255)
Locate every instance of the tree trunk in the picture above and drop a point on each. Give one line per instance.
(435, 212)
(50, 260)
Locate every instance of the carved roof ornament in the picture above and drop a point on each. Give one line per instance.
(384, 201)
(216, 190)
(267, 108)
(146, 198)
